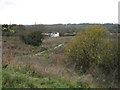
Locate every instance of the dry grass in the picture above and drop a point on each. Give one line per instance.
(51, 62)
(52, 42)
(13, 46)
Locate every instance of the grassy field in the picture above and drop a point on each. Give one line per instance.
(23, 69)
(13, 46)
(27, 70)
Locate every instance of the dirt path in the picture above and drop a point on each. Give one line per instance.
(49, 49)
(39, 53)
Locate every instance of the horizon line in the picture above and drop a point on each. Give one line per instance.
(60, 23)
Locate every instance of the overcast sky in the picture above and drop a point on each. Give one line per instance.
(58, 11)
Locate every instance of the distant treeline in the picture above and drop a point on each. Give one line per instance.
(61, 28)
(71, 28)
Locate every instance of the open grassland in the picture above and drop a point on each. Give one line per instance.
(26, 70)
(13, 46)
(23, 69)
(87, 60)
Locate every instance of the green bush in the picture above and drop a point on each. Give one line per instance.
(93, 47)
(33, 38)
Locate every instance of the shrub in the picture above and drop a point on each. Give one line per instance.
(7, 32)
(33, 38)
(92, 47)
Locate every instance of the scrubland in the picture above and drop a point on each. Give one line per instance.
(22, 68)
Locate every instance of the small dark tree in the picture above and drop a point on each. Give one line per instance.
(34, 38)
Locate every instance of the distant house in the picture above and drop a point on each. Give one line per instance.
(55, 34)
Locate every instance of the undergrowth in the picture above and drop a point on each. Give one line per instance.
(19, 76)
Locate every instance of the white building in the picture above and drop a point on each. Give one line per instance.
(55, 34)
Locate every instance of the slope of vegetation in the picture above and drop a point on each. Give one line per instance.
(91, 60)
